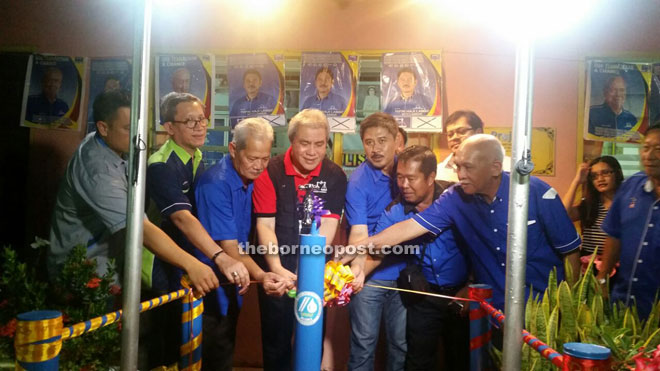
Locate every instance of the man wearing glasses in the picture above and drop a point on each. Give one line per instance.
(459, 126)
(171, 175)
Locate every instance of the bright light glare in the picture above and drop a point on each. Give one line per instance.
(524, 18)
(258, 8)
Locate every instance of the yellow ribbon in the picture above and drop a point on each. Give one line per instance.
(336, 277)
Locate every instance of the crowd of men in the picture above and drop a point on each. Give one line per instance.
(455, 212)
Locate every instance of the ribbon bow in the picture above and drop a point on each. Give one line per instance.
(337, 286)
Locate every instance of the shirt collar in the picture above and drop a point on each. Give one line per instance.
(233, 177)
(247, 98)
(411, 208)
(185, 156)
(290, 170)
(378, 174)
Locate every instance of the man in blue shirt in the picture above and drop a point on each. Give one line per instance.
(325, 100)
(407, 102)
(224, 207)
(444, 266)
(171, 176)
(47, 107)
(254, 102)
(370, 189)
(477, 209)
(633, 226)
(610, 119)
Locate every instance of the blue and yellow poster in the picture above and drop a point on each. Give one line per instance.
(411, 85)
(106, 74)
(52, 98)
(327, 83)
(256, 87)
(616, 107)
(185, 74)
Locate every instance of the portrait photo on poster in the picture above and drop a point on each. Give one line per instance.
(368, 99)
(255, 87)
(409, 84)
(185, 74)
(617, 100)
(54, 94)
(326, 83)
(654, 97)
(106, 74)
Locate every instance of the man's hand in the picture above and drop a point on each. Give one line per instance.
(357, 267)
(235, 272)
(284, 273)
(276, 285)
(465, 305)
(202, 278)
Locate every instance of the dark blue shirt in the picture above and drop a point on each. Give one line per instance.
(603, 122)
(171, 176)
(40, 111)
(483, 226)
(416, 104)
(262, 104)
(443, 262)
(332, 104)
(224, 207)
(369, 191)
(634, 219)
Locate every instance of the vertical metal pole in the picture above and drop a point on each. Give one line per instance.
(516, 256)
(136, 178)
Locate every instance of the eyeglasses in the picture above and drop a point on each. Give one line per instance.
(603, 173)
(461, 132)
(192, 123)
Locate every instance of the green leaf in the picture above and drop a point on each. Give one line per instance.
(553, 323)
(552, 286)
(597, 310)
(568, 327)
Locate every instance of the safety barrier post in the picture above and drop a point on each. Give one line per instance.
(191, 333)
(38, 340)
(480, 332)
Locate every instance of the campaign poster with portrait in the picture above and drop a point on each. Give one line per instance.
(327, 83)
(654, 96)
(106, 74)
(411, 86)
(185, 74)
(616, 106)
(53, 92)
(256, 87)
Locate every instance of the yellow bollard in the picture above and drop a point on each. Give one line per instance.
(38, 340)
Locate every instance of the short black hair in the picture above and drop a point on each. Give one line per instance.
(379, 120)
(422, 154)
(326, 70)
(406, 69)
(472, 119)
(404, 134)
(108, 103)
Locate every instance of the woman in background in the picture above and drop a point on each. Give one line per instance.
(599, 180)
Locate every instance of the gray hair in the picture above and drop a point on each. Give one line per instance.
(254, 127)
(311, 118)
(173, 99)
(488, 144)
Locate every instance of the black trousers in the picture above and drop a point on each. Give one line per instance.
(277, 321)
(429, 320)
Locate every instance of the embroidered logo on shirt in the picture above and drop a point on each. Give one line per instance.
(550, 194)
(633, 200)
(185, 187)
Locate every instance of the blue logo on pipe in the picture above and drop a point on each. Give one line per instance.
(308, 308)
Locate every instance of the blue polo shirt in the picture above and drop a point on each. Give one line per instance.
(416, 104)
(634, 219)
(333, 104)
(605, 123)
(262, 104)
(483, 226)
(171, 176)
(368, 192)
(41, 111)
(443, 263)
(224, 207)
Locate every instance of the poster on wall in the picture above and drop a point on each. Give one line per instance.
(654, 96)
(411, 85)
(53, 92)
(106, 74)
(256, 87)
(616, 107)
(543, 147)
(185, 74)
(327, 83)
